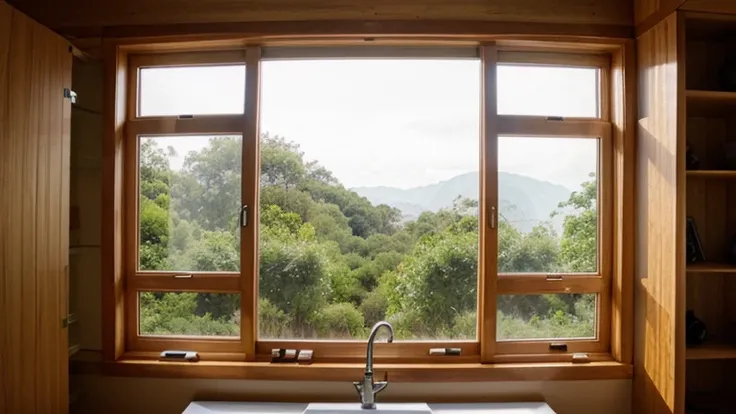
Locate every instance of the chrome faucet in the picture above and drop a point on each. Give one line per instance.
(367, 389)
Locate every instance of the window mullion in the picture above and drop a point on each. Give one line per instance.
(488, 206)
(249, 191)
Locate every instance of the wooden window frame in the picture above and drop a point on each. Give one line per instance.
(599, 282)
(121, 337)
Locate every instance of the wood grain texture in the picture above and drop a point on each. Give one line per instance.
(90, 13)
(113, 301)
(35, 67)
(711, 6)
(659, 346)
(624, 106)
(648, 13)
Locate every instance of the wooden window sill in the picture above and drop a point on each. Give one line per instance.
(461, 372)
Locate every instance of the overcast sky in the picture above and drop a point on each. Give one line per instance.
(398, 123)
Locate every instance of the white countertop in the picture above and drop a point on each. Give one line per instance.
(224, 407)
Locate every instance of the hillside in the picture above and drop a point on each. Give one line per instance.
(524, 201)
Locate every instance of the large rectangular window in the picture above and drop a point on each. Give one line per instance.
(293, 197)
(369, 198)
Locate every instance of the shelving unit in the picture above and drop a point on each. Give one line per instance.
(710, 132)
(711, 267)
(712, 351)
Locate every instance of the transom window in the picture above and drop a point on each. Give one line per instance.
(293, 197)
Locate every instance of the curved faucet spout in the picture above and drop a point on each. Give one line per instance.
(371, 340)
(367, 389)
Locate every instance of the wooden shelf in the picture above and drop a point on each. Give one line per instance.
(715, 174)
(711, 267)
(710, 103)
(712, 351)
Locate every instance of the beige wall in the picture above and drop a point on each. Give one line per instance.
(111, 395)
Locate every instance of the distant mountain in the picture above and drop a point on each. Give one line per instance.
(524, 201)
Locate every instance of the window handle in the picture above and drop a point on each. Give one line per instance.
(492, 218)
(244, 216)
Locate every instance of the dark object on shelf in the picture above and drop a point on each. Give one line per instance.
(694, 247)
(731, 253)
(695, 329)
(728, 74)
(692, 162)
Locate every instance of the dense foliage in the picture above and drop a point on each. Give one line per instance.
(331, 264)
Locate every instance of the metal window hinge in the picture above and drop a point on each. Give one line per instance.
(555, 118)
(70, 94)
(244, 216)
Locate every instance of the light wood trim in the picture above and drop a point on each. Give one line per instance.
(209, 58)
(541, 346)
(553, 371)
(113, 227)
(396, 352)
(199, 125)
(538, 284)
(250, 194)
(659, 348)
(584, 60)
(541, 126)
(461, 51)
(199, 282)
(546, 357)
(489, 206)
(623, 91)
(239, 33)
(213, 345)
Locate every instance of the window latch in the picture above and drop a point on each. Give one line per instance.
(244, 216)
(492, 218)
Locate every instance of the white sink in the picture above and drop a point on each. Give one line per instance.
(355, 408)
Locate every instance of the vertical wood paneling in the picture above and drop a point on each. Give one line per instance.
(659, 360)
(5, 363)
(33, 216)
(623, 91)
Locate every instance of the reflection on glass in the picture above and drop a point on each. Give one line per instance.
(189, 314)
(369, 198)
(551, 316)
(189, 202)
(548, 91)
(547, 216)
(193, 90)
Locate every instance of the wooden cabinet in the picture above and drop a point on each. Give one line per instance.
(35, 68)
(686, 173)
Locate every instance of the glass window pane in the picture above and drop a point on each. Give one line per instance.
(192, 90)
(369, 194)
(189, 314)
(189, 203)
(551, 316)
(548, 91)
(548, 221)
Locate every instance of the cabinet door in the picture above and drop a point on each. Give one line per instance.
(35, 67)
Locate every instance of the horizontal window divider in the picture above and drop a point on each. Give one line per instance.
(540, 126)
(335, 350)
(370, 51)
(215, 344)
(584, 60)
(214, 58)
(198, 282)
(549, 357)
(541, 346)
(539, 284)
(197, 125)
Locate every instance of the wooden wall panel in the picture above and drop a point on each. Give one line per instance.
(659, 360)
(35, 65)
(91, 13)
(711, 6)
(648, 13)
